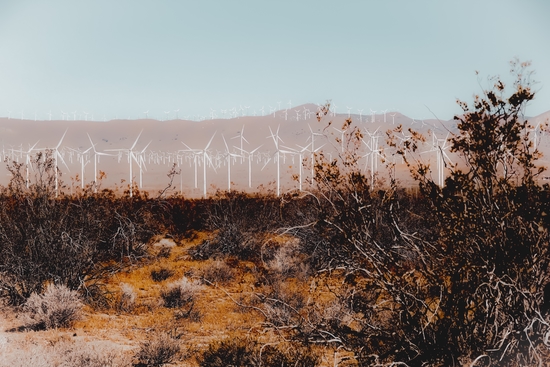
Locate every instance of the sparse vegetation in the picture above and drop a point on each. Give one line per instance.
(158, 350)
(181, 292)
(248, 353)
(57, 307)
(356, 272)
(158, 275)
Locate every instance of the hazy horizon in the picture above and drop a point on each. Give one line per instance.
(118, 60)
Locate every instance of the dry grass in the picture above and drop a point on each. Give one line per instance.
(139, 312)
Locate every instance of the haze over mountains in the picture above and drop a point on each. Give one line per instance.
(163, 143)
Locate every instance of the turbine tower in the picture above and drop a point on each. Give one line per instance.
(96, 159)
(131, 156)
(58, 156)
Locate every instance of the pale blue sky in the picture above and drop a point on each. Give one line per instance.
(121, 58)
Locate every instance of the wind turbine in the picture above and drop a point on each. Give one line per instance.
(229, 155)
(250, 156)
(131, 156)
(393, 118)
(313, 151)
(241, 138)
(205, 156)
(373, 114)
(58, 156)
(28, 162)
(343, 134)
(374, 153)
(300, 154)
(83, 162)
(384, 111)
(277, 156)
(96, 159)
(146, 113)
(176, 111)
(440, 156)
(195, 153)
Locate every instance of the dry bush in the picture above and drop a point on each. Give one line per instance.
(75, 239)
(57, 307)
(287, 260)
(458, 277)
(239, 221)
(64, 354)
(164, 252)
(217, 271)
(181, 292)
(161, 274)
(127, 298)
(159, 350)
(249, 353)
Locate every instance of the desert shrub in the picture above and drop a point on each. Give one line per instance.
(57, 307)
(248, 353)
(164, 252)
(159, 350)
(158, 275)
(181, 292)
(459, 278)
(127, 298)
(239, 222)
(47, 235)
(230, 352)
(217, 271)
(64, 354)
(286, 259)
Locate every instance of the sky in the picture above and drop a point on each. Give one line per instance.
(119, 59)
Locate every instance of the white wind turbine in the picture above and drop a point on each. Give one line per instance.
(96, 160)
(373, 114)
(535, 139)
(277, 156)
(195, 153)
(300, 154)
(83, 157)
(28, 162)
(393, 118)
(374, 153)
(349, 111)
(205, 157)
(241, 137)
(58, 156)
(250, 156)
(384, 111)
(343, 136)
(141, 163)
(146, 113)
(440, 156)
(228, 156)
(131, 157)
(313, 151)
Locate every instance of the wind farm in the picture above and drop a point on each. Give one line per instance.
(256, 161)
(292, 183)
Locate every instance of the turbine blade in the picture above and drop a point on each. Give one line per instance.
(136, 139)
